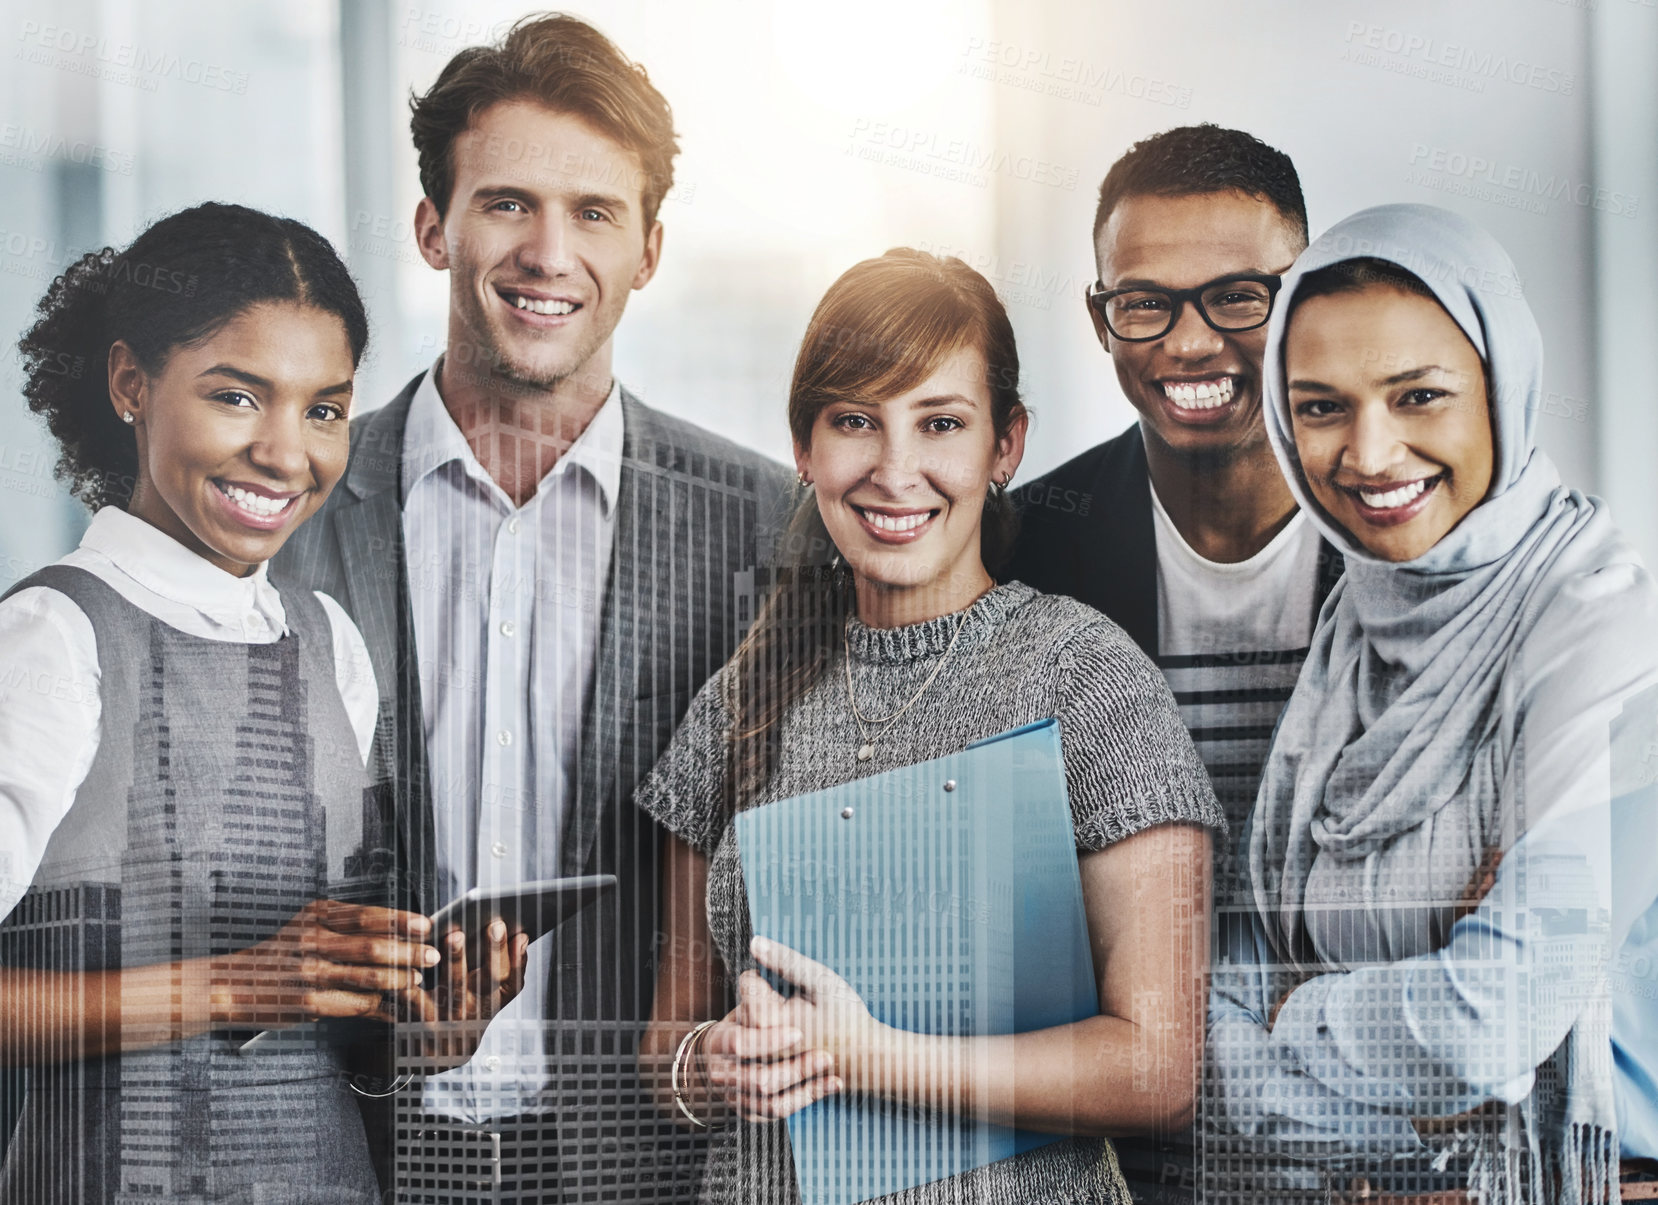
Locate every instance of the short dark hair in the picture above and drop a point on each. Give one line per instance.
(180, 282)
(563, 64)
(1191, 160)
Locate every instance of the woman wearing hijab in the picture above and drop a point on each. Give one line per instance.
(1432, 851)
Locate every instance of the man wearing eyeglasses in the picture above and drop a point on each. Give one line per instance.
(1181, 529)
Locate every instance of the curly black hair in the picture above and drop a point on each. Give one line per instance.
(1190, 160)
(179, 282)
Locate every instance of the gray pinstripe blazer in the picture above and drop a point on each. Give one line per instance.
(696, 516)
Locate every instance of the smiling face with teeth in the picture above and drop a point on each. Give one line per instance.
(544, 237)
(901, 486)
(242, 435)
(1197, 389)
(1390, 414)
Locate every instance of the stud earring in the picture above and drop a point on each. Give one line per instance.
(126, 417)
(802, 480)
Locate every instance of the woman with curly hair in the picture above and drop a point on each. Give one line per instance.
(182, 743)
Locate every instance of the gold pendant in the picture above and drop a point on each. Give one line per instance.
(865, 752)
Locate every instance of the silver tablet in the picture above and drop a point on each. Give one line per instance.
(534, 908)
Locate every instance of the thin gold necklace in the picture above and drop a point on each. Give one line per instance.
(867, 749)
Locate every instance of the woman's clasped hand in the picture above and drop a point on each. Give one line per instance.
(773, 1055)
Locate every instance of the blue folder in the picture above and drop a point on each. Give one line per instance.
(948, 895)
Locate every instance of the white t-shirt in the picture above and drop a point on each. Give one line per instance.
(1230, 642)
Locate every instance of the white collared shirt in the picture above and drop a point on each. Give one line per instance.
(49, 674)
(506, 603)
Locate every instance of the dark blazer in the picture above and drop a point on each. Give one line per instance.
(1085, 529)
(696, 516)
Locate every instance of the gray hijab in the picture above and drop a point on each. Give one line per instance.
(1396, 710)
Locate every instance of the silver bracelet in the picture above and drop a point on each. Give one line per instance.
(398, 1083)
(685, 1045)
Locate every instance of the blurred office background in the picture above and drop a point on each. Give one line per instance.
(817, 135)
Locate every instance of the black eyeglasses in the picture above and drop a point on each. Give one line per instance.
(1228, 304)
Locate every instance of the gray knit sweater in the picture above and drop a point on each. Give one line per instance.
(1021, 657)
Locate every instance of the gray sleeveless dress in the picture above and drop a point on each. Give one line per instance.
(226, 785)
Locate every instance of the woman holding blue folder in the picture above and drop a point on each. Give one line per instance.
(889, 643)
